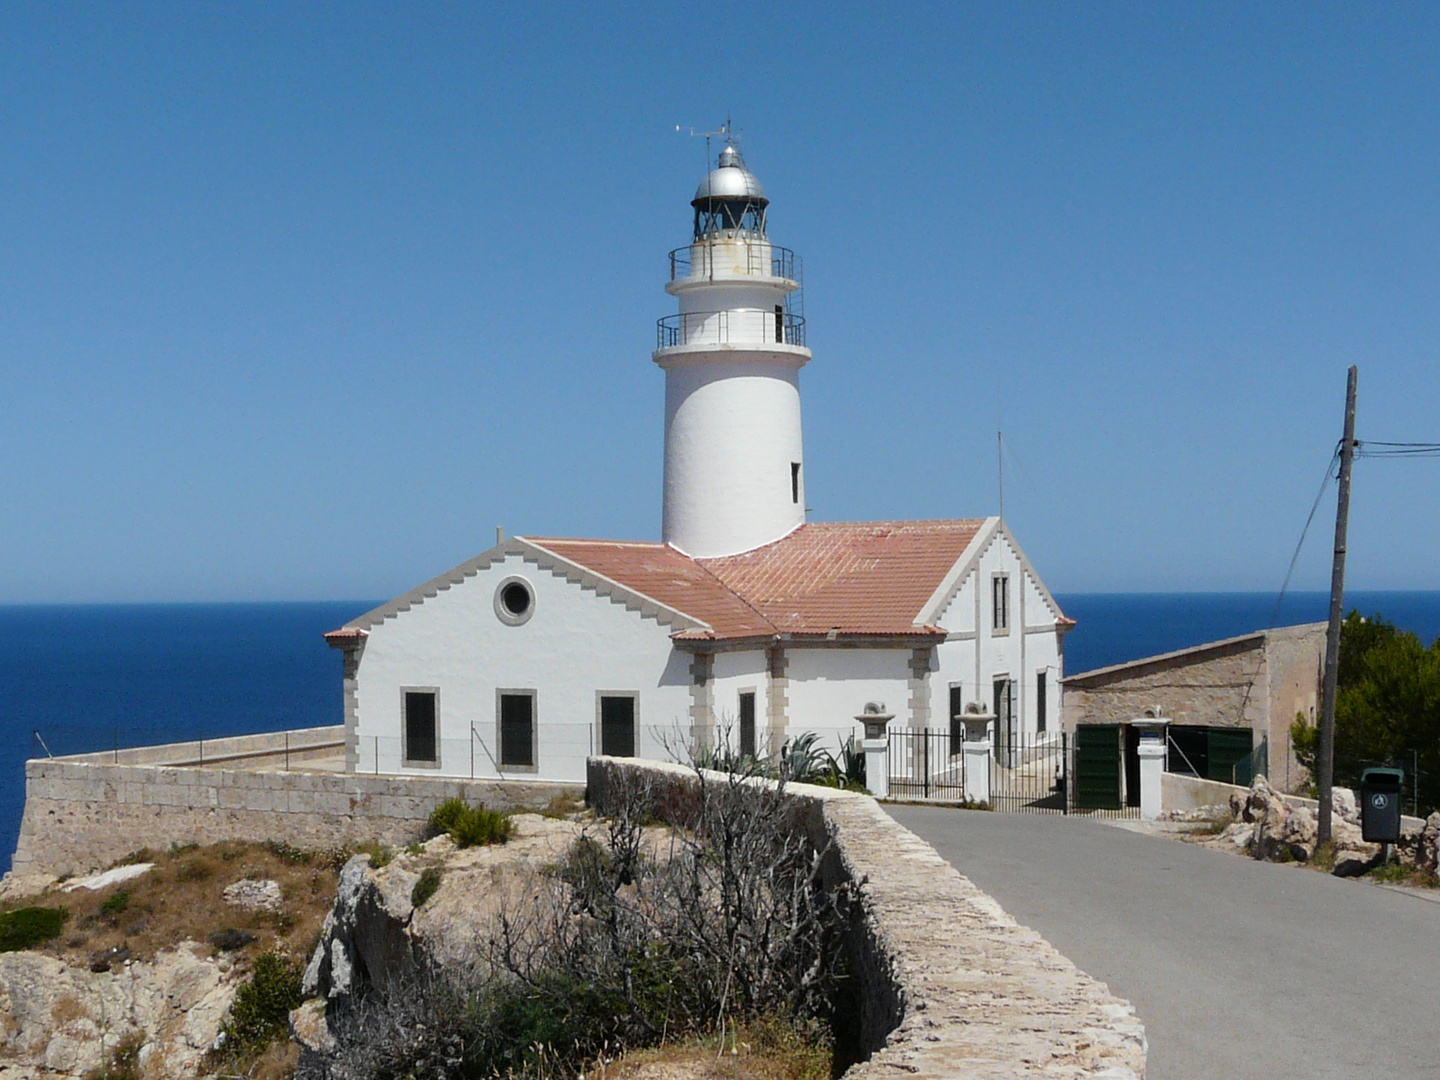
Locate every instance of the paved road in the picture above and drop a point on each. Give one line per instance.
(1240, 970)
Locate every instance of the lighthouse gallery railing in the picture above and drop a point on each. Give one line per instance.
(734, 327)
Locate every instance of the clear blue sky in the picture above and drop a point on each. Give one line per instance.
(301, 301)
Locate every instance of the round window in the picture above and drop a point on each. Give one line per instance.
(514, 601)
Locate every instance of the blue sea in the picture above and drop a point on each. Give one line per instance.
(89, 677)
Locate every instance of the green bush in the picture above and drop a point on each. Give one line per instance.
(261, 1009)
(380, 854)
(479, 825)
(26, 927)
(116, 903)
(426, 886)
(443, 817)
(469, 826)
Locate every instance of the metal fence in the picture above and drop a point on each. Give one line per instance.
(734, 256)
(1027, 772)
(926, 765)
(741, 326)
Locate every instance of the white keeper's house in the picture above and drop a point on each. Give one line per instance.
(744, 622)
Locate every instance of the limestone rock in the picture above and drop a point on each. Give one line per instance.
(55, 1018)
(309, 1028)
(1344, 806)
(375, 934)
(96, 882)
(252, 895)
(1425, 848)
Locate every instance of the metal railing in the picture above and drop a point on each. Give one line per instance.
(745, 326)
(739, 257)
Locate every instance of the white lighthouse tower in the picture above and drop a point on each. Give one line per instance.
(734, 467)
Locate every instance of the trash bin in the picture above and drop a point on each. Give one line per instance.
(1380, 805)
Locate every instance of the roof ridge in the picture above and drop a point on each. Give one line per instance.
(722, 583)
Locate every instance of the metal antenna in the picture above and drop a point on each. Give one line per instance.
(724, 129)
(1000, 464)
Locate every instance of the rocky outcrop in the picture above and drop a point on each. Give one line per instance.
(1422, 849)
(60, 1022)
(376, 936)
(1269, 827)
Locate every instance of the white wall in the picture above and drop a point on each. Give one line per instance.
(829, 687)
(980, 657)
(732, 673)
(732, 429)
(573, 645)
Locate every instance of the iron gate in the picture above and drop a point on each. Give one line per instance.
(1033, 773)
(927, 765)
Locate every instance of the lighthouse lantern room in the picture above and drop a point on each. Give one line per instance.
(734, 464)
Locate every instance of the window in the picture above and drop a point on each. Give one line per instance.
(617, 724)
(795, 482)
(747, 723)
(1000, 602)
(779, 324)
(514, 601)
(1040, 701)
(517, 728)
(420, 726)
(957, 726)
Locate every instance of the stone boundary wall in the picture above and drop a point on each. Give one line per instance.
(1178, 792)
(83, 815)
(298, 744)
(951, 986)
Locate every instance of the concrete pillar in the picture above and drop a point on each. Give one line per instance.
(978, 749)
(876, 745)
(1152, 770)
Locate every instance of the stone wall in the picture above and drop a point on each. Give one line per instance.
(1213, 688)
(1259, 681)
(82, 815)
(950, 985)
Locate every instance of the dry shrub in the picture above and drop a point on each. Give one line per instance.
(626, 946)
(67, 1007)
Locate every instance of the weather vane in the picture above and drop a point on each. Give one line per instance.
(727, 129)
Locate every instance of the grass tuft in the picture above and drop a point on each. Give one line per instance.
(425, 888)
(380, 854)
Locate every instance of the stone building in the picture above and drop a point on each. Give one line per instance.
(745, 622)
(1227, 705)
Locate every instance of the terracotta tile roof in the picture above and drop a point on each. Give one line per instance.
(866, 578)
(664, 574)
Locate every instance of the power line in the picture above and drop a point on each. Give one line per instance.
(1289, 573)
(1372, 449)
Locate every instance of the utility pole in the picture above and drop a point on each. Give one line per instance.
(1326, 763)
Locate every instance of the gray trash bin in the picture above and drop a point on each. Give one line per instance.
(1380, 805)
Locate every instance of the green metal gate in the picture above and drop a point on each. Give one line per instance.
(1097, 767)
(1230, 760)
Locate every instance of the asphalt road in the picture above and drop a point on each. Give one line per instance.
(1240, 970)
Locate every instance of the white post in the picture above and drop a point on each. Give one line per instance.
(978, 749)
(977, 769)
(876, 745)
(1151, 750)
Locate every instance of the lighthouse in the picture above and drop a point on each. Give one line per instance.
(734, 463)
